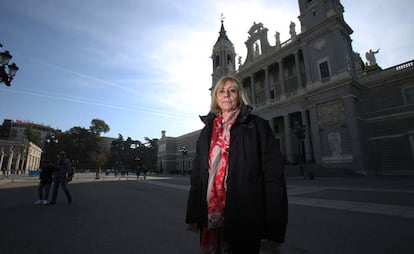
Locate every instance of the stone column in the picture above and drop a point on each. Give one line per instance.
(28, 161)
(1, 157)
(37, 163)
(316, 139)
(298, 71)
(18, 161)
(9, 163)
(267, 85)
(288, 138)
(352, 122)
(307, 66)
(272, 124)
(281, 78)
(308, 148)
(253, 90)
(23, 163)
(23, 153)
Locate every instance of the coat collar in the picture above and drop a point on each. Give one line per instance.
(243, 115)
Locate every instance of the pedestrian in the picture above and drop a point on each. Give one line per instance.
(63, 175)
(46, 179)
(144, 171)
(238, 191)
(97, 173)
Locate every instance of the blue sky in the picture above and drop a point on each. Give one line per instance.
(144, 66)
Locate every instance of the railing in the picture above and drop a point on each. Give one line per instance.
(404, 66)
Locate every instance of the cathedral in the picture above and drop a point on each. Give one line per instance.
(328, 109)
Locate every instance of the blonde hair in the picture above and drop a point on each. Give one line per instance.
(243, 100)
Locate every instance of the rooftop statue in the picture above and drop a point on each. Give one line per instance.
(292, 29)
(255, 28)
(370, 56)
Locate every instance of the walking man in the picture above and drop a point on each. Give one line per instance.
(63, 175)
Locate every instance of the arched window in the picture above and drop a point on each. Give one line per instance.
(229, 60)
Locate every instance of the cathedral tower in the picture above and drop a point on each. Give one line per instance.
(223, 57)
(326, 38)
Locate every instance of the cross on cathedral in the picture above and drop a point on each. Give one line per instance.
(222, 18)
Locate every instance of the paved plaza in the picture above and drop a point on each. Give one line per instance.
(123, 214)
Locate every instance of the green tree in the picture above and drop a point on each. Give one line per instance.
(152, 152)
(83, 146)
(98, 127)
(127, 154)
(32, 135)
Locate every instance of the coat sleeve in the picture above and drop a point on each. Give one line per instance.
(275, 185)
(193, 213)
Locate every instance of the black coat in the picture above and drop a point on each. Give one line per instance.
(46, 174)
(256, 199)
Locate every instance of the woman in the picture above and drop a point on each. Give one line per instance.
(238, 191)
(46, 179)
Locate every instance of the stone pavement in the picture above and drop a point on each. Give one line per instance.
(392, 196)
(380, 197)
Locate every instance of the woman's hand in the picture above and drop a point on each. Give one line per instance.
(271, 246)
(192, 227)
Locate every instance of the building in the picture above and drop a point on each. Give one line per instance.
(175, 155)
(16, 131)
(17, 153)
(327, 108)
(18, 157)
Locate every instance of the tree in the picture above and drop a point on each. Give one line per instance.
(32, 135)
(132, 154)
(98, 127)
(83, 146)
(152, 152)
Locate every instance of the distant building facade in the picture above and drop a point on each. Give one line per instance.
(15, 131)
(326, 107)
(17, 154)
(18, 157)
(176, 155)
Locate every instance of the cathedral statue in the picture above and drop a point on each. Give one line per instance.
(277, 36)
(370, 56)
(292, 30)
(255, 28)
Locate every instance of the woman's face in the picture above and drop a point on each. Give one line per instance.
(227, 97)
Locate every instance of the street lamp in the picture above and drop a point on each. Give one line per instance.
(183, 150)
(7, 76)
(299, 131)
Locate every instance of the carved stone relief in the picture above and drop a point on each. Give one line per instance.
(331, 112)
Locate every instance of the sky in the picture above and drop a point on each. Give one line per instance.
(145, 66)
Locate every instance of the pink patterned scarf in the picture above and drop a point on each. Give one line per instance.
(212, 236)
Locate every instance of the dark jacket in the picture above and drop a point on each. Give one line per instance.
(256, 199)
(64, 168)
(46, 174)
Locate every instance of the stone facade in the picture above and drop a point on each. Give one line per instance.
(19, 157)
(354, 117)
(176, 154)
(15, 130)
(387, 106)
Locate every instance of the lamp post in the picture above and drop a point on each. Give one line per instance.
(183, 150)
(299, 131)
(6, 76)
